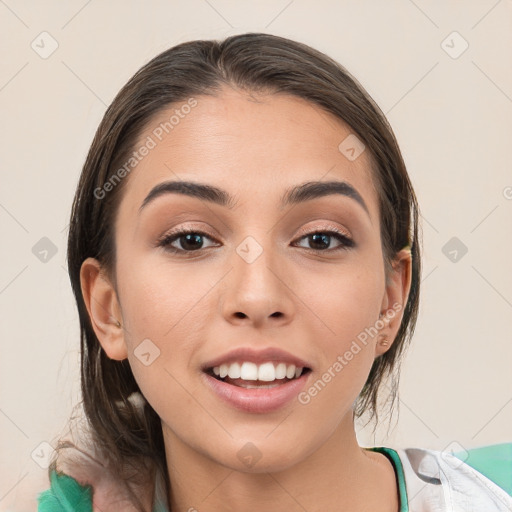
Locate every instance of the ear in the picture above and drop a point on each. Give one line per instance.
(103, 307)
(398, 285)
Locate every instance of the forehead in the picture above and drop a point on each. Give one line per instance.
(253, 145)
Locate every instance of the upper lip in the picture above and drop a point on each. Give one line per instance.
(257, 357)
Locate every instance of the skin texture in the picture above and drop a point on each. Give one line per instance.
(254, 147)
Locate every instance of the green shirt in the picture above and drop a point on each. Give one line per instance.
(494, 462)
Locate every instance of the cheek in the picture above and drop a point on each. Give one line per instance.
(346, 307)
(346, 302)
(166, 318)
(162, 301)
(349, 313)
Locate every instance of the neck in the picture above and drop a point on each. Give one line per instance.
(338, 475)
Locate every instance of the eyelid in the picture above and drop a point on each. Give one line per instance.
(326, 227)
(304, 231)
(186, 228)
(345, 240)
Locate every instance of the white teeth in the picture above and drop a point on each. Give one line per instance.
(266, 372)
(290, 371)
(281, 371)
(249, 371)
(223, 370)
(234, 371)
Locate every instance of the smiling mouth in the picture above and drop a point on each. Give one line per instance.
(255, 384)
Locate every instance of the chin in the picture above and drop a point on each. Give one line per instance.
(259, 456)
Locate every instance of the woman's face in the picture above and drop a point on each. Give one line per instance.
(263, 271)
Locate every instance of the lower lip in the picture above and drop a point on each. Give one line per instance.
(257, 400)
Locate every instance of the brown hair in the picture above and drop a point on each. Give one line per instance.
(252, 62)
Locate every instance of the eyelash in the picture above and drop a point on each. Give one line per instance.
(166, 240)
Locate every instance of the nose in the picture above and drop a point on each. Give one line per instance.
(256, 292)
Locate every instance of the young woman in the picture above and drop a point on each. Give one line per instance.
(244, 253)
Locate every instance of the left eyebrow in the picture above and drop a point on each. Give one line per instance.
(314, 189)
(297, 194)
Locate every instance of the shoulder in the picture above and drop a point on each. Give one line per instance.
(476, 479)
(65, 495)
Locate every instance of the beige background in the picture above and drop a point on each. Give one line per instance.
(452, 117)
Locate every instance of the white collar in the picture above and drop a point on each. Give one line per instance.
(440, 482)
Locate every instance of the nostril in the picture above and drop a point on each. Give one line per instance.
(239, 314)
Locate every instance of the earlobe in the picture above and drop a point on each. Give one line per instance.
(382, 347)
(395, 298)
(102, 305)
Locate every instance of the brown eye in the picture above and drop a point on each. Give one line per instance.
(320, 240)
(188, 240)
